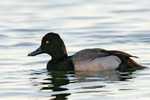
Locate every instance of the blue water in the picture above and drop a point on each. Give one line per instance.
(109, 24)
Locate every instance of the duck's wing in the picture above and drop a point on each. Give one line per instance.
(87, 54)
(91, 54)
(120, 54)
(127, 62)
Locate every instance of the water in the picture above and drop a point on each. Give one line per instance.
(109, 24)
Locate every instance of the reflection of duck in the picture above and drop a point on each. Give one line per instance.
(58, 79)
(104, 76)
(59, 85)
(87, 59)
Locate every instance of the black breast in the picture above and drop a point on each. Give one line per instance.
(66, 65)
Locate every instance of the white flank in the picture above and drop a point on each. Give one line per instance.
(98, 64)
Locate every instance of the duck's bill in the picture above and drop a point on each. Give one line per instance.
(36, 52)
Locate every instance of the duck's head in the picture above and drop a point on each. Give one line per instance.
(51, 44)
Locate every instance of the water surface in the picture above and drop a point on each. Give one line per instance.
(109, 24)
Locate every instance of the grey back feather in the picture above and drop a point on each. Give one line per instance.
(89, 54)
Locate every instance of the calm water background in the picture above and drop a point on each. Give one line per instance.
(109, 24)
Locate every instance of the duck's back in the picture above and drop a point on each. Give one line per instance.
(95, 60)
(87, 54)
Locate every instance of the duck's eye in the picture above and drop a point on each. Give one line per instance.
(47, 42)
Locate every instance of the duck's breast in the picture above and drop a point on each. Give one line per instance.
(98, 64)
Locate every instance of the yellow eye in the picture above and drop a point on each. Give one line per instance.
(47, 42)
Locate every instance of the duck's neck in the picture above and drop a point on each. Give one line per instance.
(59, 51)
(59, 56)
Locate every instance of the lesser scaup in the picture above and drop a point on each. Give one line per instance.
(95, 59)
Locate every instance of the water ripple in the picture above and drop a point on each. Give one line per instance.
(114, 24)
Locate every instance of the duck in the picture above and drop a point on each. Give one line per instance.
(91, 59)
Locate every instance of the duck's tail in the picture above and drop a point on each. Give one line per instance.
(127, 64)
(130, 65)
